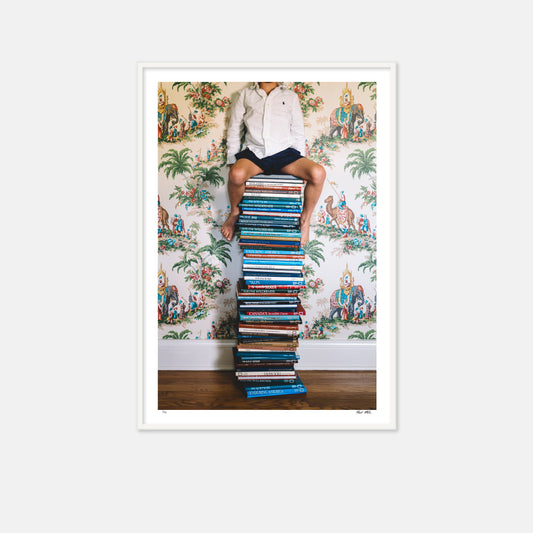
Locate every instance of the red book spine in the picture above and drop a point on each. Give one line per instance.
(299, 311)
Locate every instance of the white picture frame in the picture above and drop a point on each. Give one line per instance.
(149, 416)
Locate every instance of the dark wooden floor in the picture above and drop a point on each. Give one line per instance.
(330, 389)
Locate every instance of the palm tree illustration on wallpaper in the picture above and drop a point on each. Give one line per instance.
(369, 335)
(217, 248)
(313, 252)
(175, 335)
(369, 264)
(176, 163)
(361, 162)
(198, 178)
(371, 86)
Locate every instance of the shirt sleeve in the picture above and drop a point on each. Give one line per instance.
(235, 128)
(297, 126)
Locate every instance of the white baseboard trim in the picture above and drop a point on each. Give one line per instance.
(314, 355)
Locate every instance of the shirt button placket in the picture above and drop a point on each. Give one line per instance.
(266, 125)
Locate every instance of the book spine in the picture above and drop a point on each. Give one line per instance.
(273, 233)
(280, 262)
(267, 316)
(269, 286)
(275, 313)
(274, 252)
(265, 268)
(271, 213)
(265, 373)
(275, 392)
(256, 194)
(274, 240)
(289, 202)
(283, 279)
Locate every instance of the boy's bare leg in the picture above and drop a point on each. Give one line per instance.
(239, 174)
(314, 176)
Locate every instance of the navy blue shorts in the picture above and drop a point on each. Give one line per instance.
(271, 164)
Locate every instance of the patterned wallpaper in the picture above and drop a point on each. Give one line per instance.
(198, 268)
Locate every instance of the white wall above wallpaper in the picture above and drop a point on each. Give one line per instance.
(199, 268)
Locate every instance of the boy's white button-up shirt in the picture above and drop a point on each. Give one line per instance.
(273, 123)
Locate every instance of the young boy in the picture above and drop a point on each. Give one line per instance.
(273, 144)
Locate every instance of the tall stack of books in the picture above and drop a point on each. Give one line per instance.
(269, 310)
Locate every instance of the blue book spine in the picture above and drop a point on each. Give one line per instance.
(272, 233)
(253, 205)
(271, 209)
(260, 232)
(273, 252)
(274, 392)
(265, 218)
(267, 225)
(266, 358)
(258, 241)
(279, 235)
(271, 202)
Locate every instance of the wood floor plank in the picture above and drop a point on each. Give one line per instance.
(206, 390)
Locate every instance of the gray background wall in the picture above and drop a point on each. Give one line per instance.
(72, 458)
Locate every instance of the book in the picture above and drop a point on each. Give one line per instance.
(273, 286)
(271, 261)
(271, 233)
(265, 375)
(263, 328)
(264, 347)
(284, 274)
(253, 305)
(287, 210)
(288, 333)
(259, 338)
(273, 252)
(265, 312)
(264, 225)
(273, 282)
(274, 269)
(274, 392)
(270, 213)
(288, 241)
(279, 194)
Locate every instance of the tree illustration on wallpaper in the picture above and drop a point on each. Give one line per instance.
(361, 162)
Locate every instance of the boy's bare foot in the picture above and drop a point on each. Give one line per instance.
(304, 229)
(228, 228)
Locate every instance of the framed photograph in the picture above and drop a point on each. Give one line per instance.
(267, 237)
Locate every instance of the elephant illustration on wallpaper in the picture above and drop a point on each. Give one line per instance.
(342, 302)
(166, 113)
(343, 119)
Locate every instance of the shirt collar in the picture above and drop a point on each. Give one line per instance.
(281, 85)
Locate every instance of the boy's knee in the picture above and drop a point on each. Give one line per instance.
(237, 176)
(318, 174)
